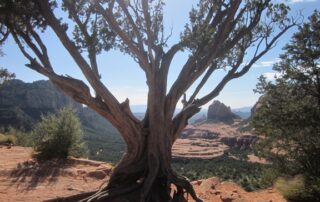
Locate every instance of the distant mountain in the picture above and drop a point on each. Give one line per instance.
(22, 105)
(139, 109)
(243, 112)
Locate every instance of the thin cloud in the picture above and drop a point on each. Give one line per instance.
(271, 76)
(297, 1)
(266, 63)
(300, 1)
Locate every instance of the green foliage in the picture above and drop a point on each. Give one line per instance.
(8, 139)
(294, 189)
(268, 177)
(58, 136)
(103, 140)
(22, 138)
(246, 174)
(5, 75)
(289, 113)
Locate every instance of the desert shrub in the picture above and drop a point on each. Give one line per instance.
(58, 136)
(7, 139)
(293, 189)
(268, 177)
(24, 139)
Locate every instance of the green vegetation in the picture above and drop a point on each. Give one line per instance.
(5, 75)
(24, 139)
(294, 189)
(246, 174)
(58, 136)
(104, 146)
(103, 140)
(11, 139)
(289, 115)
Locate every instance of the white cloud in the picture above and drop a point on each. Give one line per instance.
(271, 76)
(296, 1)
(136, 96)
(266, 63)
(300, 1)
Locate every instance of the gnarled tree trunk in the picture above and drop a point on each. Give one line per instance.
(147, 176)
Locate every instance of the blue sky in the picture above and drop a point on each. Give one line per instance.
(123, 76)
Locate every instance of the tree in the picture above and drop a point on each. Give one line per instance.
(288, 115)
(58, 136)
(219, 36)
(5, 75)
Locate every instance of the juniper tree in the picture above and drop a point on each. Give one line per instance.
(288, 115)
(219, 35)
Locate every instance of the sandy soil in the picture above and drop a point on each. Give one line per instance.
(212, 190)
(23, 179)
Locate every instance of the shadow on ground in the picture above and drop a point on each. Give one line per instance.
(31, 173)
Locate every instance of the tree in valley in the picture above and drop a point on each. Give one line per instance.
(220, 35)
(288, 115)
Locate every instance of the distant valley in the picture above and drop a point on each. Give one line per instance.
(23, 104)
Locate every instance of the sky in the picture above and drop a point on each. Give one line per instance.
(125, 79)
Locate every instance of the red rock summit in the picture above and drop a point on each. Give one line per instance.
(220, 112)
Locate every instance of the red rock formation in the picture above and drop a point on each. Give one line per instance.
(220, 112)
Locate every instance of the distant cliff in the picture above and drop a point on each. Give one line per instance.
(23, 104)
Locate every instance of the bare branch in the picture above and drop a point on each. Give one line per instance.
(89, 39)
(233, 74)
(132, 23)
(94, 81)
(202, 82)
(150, 34)
(108, 16)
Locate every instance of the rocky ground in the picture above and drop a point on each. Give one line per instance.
(24, 179)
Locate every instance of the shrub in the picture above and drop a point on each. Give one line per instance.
(22, 138)
(293, 189)
(8, 139)
(58, 136)
(268, 177)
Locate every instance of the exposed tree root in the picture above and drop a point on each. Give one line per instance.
(159, 192)
(183, 183)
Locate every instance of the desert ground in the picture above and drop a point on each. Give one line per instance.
(22, 178)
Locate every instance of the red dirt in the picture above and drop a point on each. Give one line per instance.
(23, 179)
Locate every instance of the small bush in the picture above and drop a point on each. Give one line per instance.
(11, 139)
(22, 138)
(293, 189)
(268, 177)
(58, 136)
